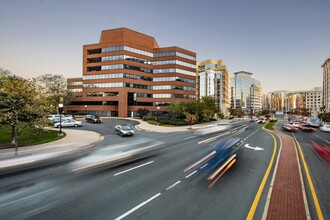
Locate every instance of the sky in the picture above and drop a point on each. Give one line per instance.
(282, 42)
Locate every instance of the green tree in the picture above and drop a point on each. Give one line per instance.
(209, 107)
(20, 104)
(176, 108)
(142, 112)
(55, 89)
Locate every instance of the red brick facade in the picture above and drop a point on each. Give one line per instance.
(127, 70)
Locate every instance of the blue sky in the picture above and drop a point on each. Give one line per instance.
(283, 42)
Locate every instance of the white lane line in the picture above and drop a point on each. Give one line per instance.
(37, 194)
(133, 168)
(171, 186)
(137, 207)
(213, 138)
(189, 138)
(327, 141)
(191, 174)
(205, 165)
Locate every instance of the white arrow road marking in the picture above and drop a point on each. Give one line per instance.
(254, 148)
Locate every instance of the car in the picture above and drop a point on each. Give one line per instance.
(325, 128)
(68, 123)
(261, 120)
(56, 118)
(305, 127)
(93, 119)
(289, 127)
(124, 130)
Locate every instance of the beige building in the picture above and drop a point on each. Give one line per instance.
(213, 80)
(326, 85)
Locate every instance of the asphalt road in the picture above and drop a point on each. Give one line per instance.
(155, 187)
(318, 167)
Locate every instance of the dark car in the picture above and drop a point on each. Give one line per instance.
(124, 130)
(93, 119)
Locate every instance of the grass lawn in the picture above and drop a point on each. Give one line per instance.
(30, 136)
(270, 125)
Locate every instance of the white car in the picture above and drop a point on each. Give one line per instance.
(68, 123)
(325, 128)
(56, 118)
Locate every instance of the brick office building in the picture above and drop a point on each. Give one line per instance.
(127, 70)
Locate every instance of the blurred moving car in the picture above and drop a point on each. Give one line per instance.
(325, 127)
(68, 123)
(93, 119)
(304, 127)
(124, 130)
(261, 120)
(217, 159)
(289, 127)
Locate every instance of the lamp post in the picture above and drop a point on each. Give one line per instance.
(157, 113)
(60, 110)
(85, 109)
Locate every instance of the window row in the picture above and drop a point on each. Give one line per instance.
(165, 87)
(175, 70)
(101, 94)
(164, 79)
(178, 62)
(125, 57)
(76, 90)
(169, 54)
(178, 96)
(130, 49)
(104, 85)
(75, 83)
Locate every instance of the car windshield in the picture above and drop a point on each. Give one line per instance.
(126, 127)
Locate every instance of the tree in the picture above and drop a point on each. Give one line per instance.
(191, 118)
(176, 108)
(20, 104)
(55, 89)
(209, 107)
(142, 112)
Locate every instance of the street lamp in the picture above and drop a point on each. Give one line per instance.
(60, 110)
(85, 109)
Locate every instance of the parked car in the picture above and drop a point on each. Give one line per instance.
(325, 127)
(93, 119)
(124, 130)
(56, 118)
(68, 123)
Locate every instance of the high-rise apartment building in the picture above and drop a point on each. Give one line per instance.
(213, 80)
(326, 85)
(246, 92)
(127, 70)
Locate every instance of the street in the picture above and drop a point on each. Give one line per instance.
(156, 187)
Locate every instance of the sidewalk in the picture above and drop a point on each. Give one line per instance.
(287, 200)
(74, 143)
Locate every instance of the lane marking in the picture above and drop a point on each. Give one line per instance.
(213, 138)
(137, 207)
(191, 174)
(263, 182)
(27, 197)
(205, 165)
(264, 216)
(327, 141)
(310, 182)
(189, 138)
(174, 184)
(125, 171)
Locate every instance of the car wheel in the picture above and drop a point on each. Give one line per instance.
(58, 126)
(76, 125)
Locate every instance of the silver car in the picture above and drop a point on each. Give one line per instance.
(124, 130)
(325, 128)
(68, 123)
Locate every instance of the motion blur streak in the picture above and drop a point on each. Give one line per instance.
(221, 168)
(322, 150)
(207, 157)
(101, 164)
(229, 165)
(16, 164)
